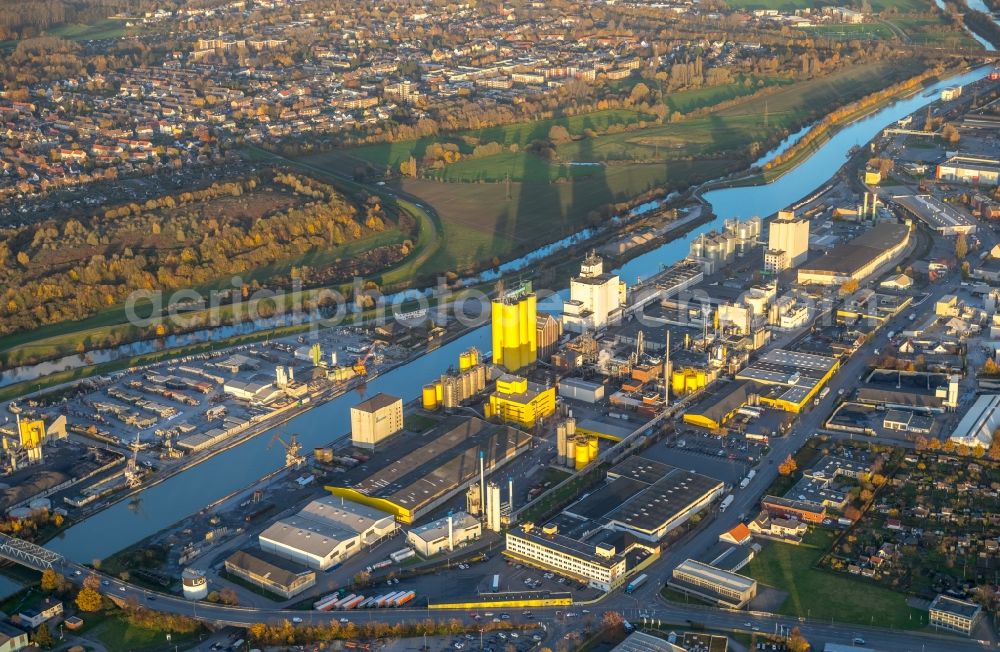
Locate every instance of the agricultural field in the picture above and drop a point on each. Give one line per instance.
(481, 222)
(793, 569)
(930, 531)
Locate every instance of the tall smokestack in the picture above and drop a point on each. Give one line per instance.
(666, 373)
(451, 532)
(510, 495)
(482, 479)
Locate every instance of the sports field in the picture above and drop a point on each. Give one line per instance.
(814, 593)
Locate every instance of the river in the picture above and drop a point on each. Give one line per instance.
(123, 524)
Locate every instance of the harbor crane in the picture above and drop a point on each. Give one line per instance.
(133, 477)
(293, 450)
(361, 364)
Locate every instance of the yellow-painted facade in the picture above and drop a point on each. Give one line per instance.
(514, 402)
(515, 340)
(596, 434)
(788, 406)
(402, 514)
(873, 177)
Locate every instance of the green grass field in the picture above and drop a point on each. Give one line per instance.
(845, 31)
(100, 30)
(117, 634)
(900, 6)
(814, 593)
(698, 98)
(924, 31)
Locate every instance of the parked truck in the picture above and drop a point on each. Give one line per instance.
(636, 583)
(495, 586)
(726, 502)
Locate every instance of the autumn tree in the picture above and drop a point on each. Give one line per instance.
(849, 286)
(961, 247)
(228, 596)
(43, 637)
(51, 580)
(612, 621)
(788, 466)
(88, 600)
(797, 642)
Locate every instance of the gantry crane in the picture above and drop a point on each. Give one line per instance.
(293, 450)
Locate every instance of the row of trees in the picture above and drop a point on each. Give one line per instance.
(74, 269)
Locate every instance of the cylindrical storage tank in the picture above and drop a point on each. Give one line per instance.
(678, 382)
(19, 513)
(39, 504)
(195, 584)
(480, 371)
(474, 356)
(582, 455)
(570, 427)
(570, 452)
(697, 248)
(700, 375)
(561, 444)
(464, 361)
(593, 447)
(439, 391)
(430, 401)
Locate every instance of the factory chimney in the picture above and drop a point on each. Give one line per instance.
(510, 495)
(666, 373)
(451, 532)
(482, 479)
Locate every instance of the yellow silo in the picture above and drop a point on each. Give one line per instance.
(570, 452)
(464, 361)
(593, 449)
(430, 400)
(582, 455)
(677, 380)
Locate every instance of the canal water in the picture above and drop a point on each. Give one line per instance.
(130, 521)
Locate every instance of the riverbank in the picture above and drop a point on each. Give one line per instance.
(806, 146)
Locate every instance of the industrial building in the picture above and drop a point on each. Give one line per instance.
(713, 584)
(518, 401)
(514, 330)
(455, 387)
(801, 510)
(954, 615)
(444, 465)
(647, 499)
(975, 170)
(787, 242)
(376, 419)
(326, 532)
(596, 299)
(916, 391)
(270, 572)
(642, 642)
(600, 566)
(786, 379)
(946, 219)
(721, 403)
(444, 534)
(978, 425)
(581, 390)
(859, 258)
(548, 330)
